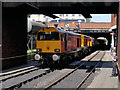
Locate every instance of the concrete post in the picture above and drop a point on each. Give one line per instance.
(112, 41)
(118, 45)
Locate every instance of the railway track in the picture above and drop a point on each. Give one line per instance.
(83, 81)
(63, 77)
(11, 74)
(15, 73)
(34, 75)
(17, 82)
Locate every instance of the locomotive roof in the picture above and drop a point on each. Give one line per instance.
(62, 31)
(69, 32)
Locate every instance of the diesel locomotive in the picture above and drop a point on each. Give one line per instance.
(54, 45)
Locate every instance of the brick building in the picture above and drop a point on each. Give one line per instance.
(83, 25)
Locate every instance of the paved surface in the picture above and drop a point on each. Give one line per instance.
(103, 79)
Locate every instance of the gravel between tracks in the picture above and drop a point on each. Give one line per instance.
(72, 80)
(47, 79)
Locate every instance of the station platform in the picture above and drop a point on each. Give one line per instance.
(103, 77)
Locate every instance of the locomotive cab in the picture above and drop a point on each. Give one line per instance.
(48, 44)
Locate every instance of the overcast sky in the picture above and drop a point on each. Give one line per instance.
(101, 17)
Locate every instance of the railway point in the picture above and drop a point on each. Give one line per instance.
(60, 45)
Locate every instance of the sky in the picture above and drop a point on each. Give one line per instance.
(101, 17)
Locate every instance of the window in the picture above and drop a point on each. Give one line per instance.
(48, 36)
(53, 21)
(76, 21)
(77, 42)
(60, 15)
(44, 16)
(73, 14)
(66, 20)
(69, 38)
(61, 37)
(60, 20)
(82, 20)
(86, 42)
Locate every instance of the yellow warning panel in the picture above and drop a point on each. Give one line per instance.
(82, 40)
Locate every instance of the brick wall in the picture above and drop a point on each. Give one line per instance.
(14, 37)
(83, 25)
(113, 19)
(96, 25)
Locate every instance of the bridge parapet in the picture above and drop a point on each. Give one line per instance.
(90, 30)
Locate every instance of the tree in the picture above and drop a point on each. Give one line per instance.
(28, 15)
(88, 20)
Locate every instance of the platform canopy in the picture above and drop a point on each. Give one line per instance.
(49, 7)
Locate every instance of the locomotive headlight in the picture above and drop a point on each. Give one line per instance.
(55, 57)
(57, 50)
(37, 57)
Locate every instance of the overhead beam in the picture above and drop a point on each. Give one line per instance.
(27, 7)
(85, 8)
(77, 6)
(50, 15)
(60, 0)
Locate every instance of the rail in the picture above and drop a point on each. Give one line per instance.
(89, 73)
(49, 86)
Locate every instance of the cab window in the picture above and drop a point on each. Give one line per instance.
(48, 36)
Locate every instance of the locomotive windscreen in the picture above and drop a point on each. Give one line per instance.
(48, 36)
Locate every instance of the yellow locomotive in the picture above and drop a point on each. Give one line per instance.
(55, 45)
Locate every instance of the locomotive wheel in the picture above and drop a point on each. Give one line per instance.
(63, 59)
(44, 62)
(89, 50)
(70, 57)
(85, 52)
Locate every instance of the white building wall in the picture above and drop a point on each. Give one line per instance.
(70, 16)
(43, 18)
(40, 17)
